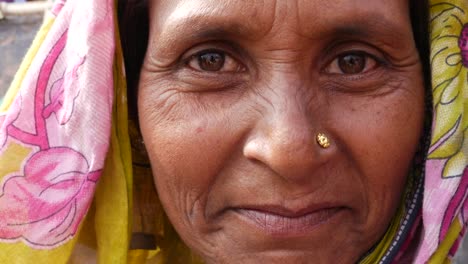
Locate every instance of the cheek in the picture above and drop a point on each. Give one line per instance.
(187, 148)
(380, 136)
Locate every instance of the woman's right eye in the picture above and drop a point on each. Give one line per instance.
(215, 61)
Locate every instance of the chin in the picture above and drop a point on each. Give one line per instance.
(282, 257)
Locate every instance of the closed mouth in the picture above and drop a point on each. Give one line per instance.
(279, 222)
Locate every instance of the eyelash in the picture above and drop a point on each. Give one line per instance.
(192, 62)
(368, 60)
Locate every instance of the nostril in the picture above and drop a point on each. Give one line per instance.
(294, 157)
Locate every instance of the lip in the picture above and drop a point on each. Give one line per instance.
(283, 222)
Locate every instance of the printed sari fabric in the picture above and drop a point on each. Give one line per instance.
(65, 158)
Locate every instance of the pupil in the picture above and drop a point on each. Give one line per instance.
(211, 61)
(352, 63)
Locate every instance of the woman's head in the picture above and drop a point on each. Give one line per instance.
(231, 97)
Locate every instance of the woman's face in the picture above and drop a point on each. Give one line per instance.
(231, 98)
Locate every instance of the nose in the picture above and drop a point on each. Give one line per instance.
(285, 140)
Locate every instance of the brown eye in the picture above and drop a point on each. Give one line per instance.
(211, 61)
(214, 61)
(352, 63)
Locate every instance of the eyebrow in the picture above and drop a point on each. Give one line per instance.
(370, 26)
(196, 27)
(360, 27)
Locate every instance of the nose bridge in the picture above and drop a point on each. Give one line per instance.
(291, 142)
(290, 124)
(290, 117)
(284, 140)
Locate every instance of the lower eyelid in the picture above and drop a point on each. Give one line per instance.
(378, 75)
(202, 78)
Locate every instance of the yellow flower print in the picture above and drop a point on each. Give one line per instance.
(449, 22)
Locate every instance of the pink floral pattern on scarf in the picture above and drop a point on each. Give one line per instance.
(446, 180)
(63, 114)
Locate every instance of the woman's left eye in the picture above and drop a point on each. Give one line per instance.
(352, 63)
(214, 61)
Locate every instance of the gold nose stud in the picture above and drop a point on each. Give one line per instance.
(323, 140)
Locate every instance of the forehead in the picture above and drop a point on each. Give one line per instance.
(260, 17)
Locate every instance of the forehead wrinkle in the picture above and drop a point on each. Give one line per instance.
(221, 18)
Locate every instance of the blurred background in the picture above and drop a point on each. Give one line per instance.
(19, 22)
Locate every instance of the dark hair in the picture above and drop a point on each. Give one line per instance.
(419, 14)
(134, 30)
